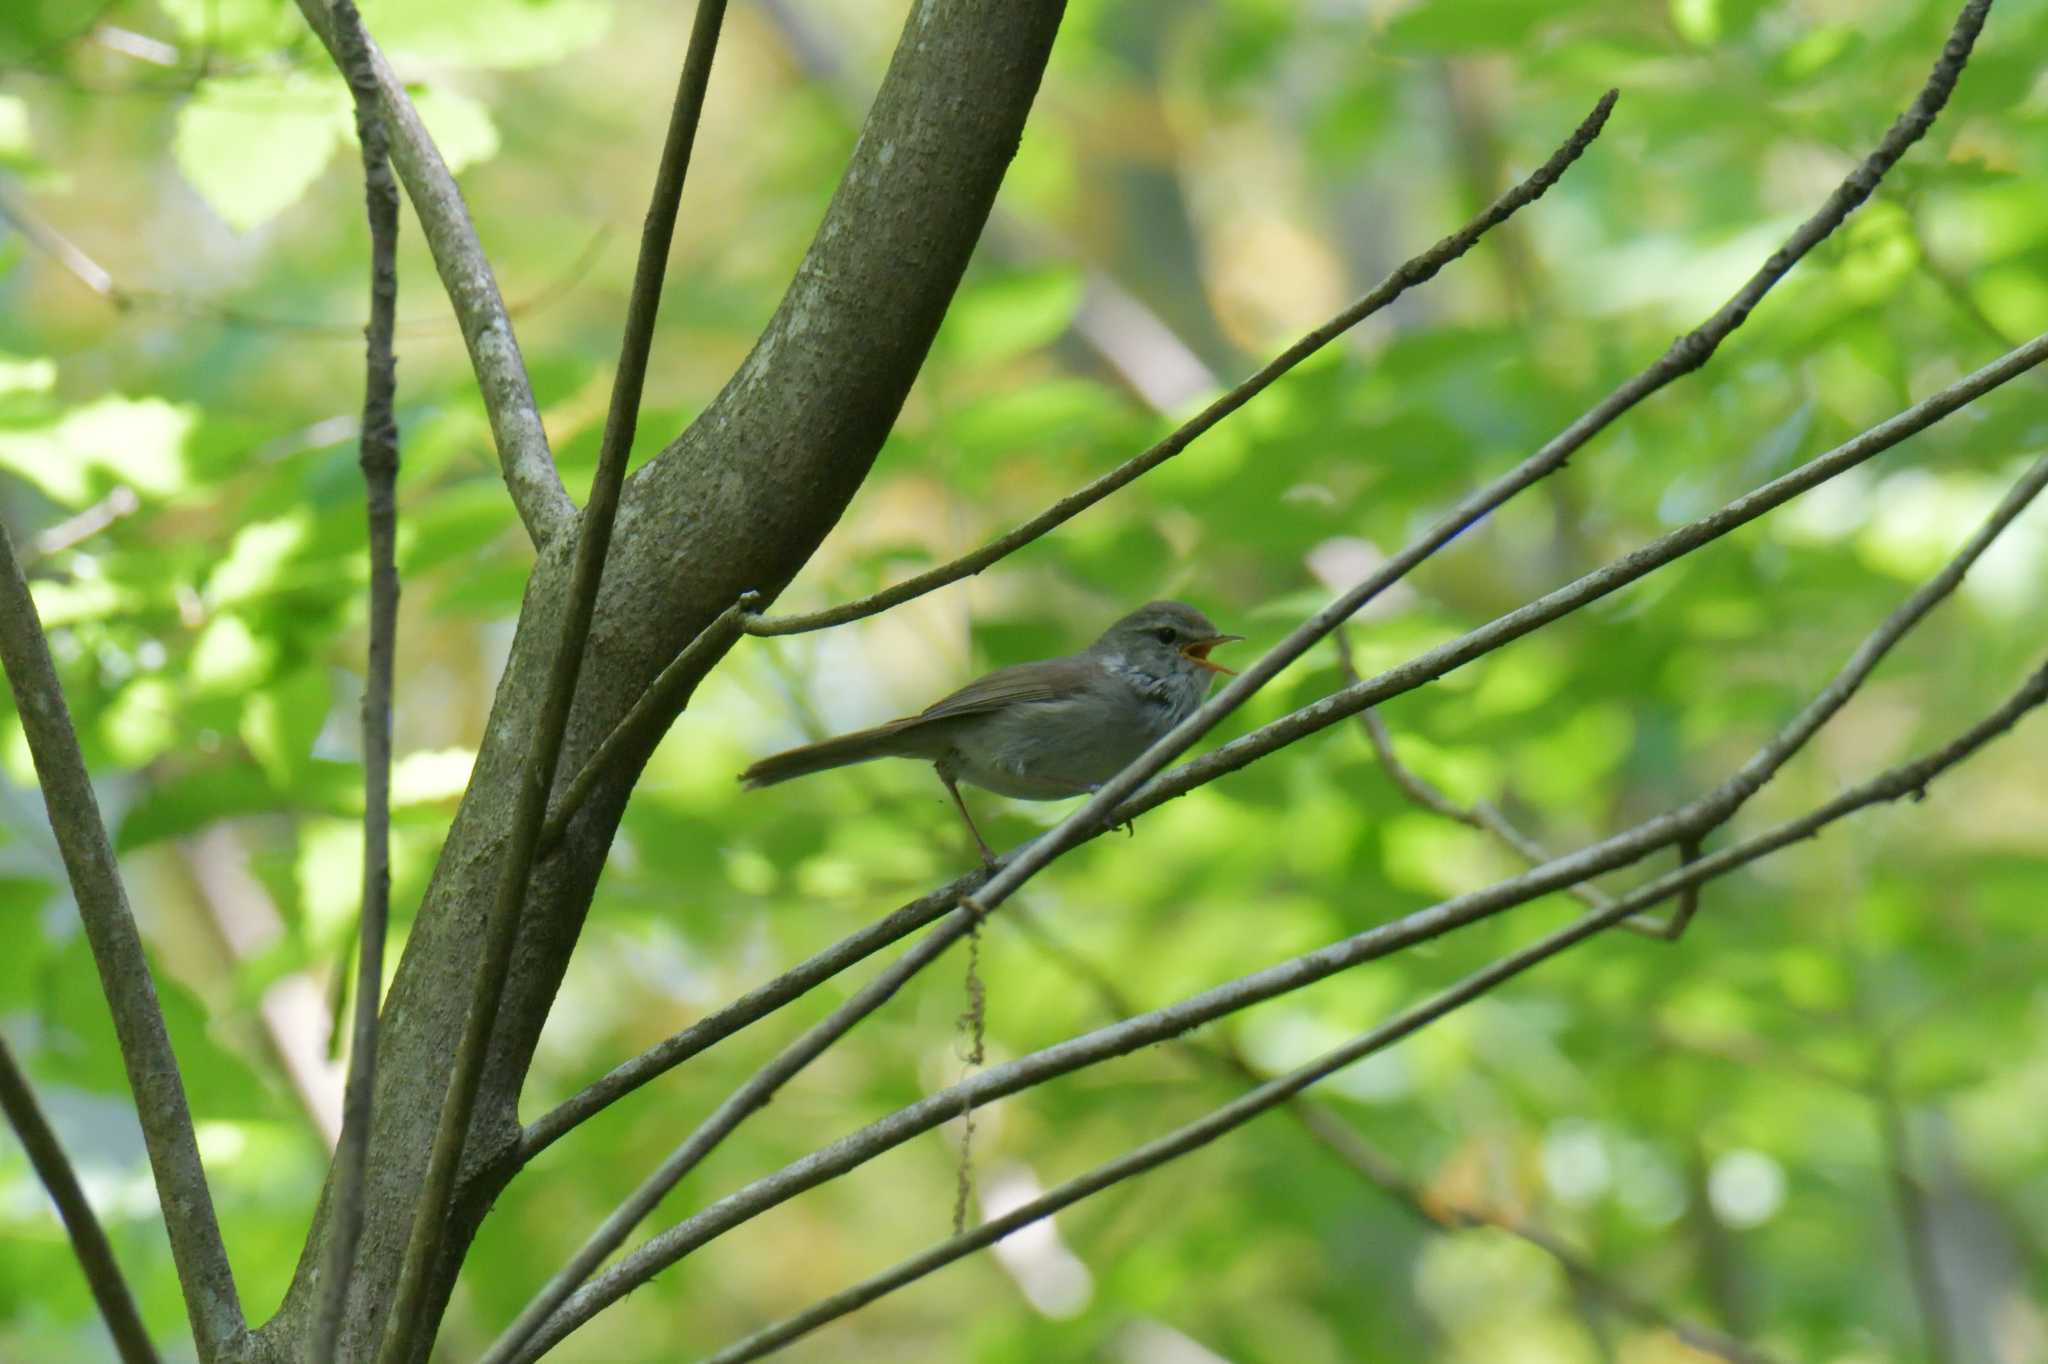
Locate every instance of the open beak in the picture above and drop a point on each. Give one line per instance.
(1197, 653)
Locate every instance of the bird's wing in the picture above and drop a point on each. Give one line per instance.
(1050, 680)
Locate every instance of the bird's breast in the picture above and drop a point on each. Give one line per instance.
(1049, 750)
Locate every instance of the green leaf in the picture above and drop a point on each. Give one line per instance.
(91, 448)
(281, 720)
(23, 903)
(461, 127)
(231, 656)
(251, 28)
(495, 34)
(189, 802)
(1006, 317)
(252, 144)
(15, 143)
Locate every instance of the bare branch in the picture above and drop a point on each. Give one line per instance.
(75, 531)
(1416, 271)
(651, 715)
(1904, 780)
(529, 467)
(406, 1321)
(380, 482)
(70, 257)
(202, 1261)
(88, 1239)
(1687, 353)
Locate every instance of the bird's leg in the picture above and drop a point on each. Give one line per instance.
(1129, 826)
(988, 858)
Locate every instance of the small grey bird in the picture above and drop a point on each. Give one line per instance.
(1043, 731)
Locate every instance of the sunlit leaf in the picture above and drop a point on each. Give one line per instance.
(251, 145)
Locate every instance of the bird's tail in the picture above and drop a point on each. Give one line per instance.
(880, 742)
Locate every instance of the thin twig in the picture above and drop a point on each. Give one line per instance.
(76, 530)
(152, 1067)
(1904, 780)
(88, 1239)
(1333, 709)
(1416, 271)
(538, 774)
(529, 466)
(642, 726)
(1686, 354)
(379, 461)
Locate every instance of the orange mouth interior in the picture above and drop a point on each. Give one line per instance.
(1198, 654)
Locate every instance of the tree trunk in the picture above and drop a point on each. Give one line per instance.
(738, 502)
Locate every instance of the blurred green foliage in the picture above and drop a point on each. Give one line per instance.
(1702, 1121)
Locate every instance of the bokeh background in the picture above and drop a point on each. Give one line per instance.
(1815, 1124)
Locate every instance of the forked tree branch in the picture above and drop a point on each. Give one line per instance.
(1333, 709)
(406, 1327)
(152, 1067)
(1416, 271)
(1687, 353)
(529, 466)
(380, 488)
(1907, 779)
(1686, 825)
(88, 1239)
(651, 715)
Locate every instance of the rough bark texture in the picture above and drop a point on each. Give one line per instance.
(738, 502)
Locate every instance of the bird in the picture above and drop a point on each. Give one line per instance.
(1046, 730)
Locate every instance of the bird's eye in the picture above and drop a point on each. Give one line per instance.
(1164, 634)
